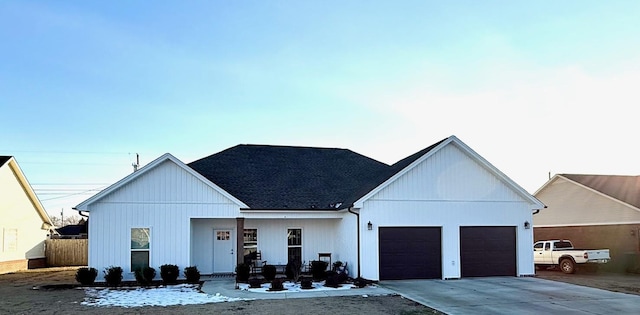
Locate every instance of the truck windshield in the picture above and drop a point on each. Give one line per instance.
(563, 245)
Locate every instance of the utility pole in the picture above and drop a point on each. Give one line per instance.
(62, 216)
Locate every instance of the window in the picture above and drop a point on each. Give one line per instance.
(547, 246)
(223, 235)
(10, 240)
(139, 248)
(294, 245)
(538, 247)
(250, 241)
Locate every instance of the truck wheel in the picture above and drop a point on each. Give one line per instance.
(567, 266)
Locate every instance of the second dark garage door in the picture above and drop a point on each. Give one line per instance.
(488, 251)
(410, 253)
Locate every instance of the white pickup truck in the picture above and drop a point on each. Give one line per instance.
(560, 253)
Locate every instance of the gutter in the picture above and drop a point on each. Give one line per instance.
(80, 212)
(358, 225)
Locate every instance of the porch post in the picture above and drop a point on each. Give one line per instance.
(240, 240)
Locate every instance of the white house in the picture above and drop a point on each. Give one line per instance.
(24, 223)
(441, 213)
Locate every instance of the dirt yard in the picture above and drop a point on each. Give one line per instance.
(20, 297)
(616, 282)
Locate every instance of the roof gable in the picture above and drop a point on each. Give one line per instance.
(10, 162)
(623, 188)
(147, 169)
(413, 161)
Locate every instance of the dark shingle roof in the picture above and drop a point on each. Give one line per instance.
(287, 177)
(623, 188)
(75, 229)
(4, 159)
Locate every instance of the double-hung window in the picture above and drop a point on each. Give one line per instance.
(294, 245)
(140, 239)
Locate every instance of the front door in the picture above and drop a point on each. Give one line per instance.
(223, 250)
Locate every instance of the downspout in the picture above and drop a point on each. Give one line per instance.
(358, 225)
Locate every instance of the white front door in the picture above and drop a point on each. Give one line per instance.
(223, 250)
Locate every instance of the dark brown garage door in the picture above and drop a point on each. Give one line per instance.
(488, 251)
(410, 253)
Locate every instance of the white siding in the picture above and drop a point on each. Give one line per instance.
(448, 190)
(571, 204)
(18, 215)
(164, 200)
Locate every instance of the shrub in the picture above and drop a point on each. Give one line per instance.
(169, 273)
(292, 270)
(360, 282)
(269, 272)
(242, 272)
(145, 275)
(276, 285)
(255, 283)
(192, 274)
(318, 269)
(86, 276)
(306, 283)
(113, 276)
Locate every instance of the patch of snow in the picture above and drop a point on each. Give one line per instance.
(162, 296)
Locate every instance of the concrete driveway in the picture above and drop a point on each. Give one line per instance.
(511, 295)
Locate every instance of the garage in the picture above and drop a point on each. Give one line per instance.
(410, 253)
(488, 251)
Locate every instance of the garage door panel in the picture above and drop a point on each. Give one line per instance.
(410, 253)
(488, 251)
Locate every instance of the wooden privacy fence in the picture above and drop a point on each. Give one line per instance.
(67, 252)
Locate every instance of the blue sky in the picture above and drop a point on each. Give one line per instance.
(532, 86)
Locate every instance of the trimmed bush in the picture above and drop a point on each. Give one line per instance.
(242, 272)
(192, 274)
(319, 269)
(113, 276)
(86, 276)
(269, 272)
(169, 273)
(145, 275)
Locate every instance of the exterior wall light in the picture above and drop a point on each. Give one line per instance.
(369, 226)
(527, 225)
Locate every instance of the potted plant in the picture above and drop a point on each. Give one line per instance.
(255, 283)
(318, 269)
(269, 272)
(242, 272)
(276, 285)
(306, 283)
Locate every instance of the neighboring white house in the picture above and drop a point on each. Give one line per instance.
(24, 224)
(442, 213)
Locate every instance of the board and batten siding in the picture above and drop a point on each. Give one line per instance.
(569, 204)
(164, 199)
(448, 190)
(318, 236)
